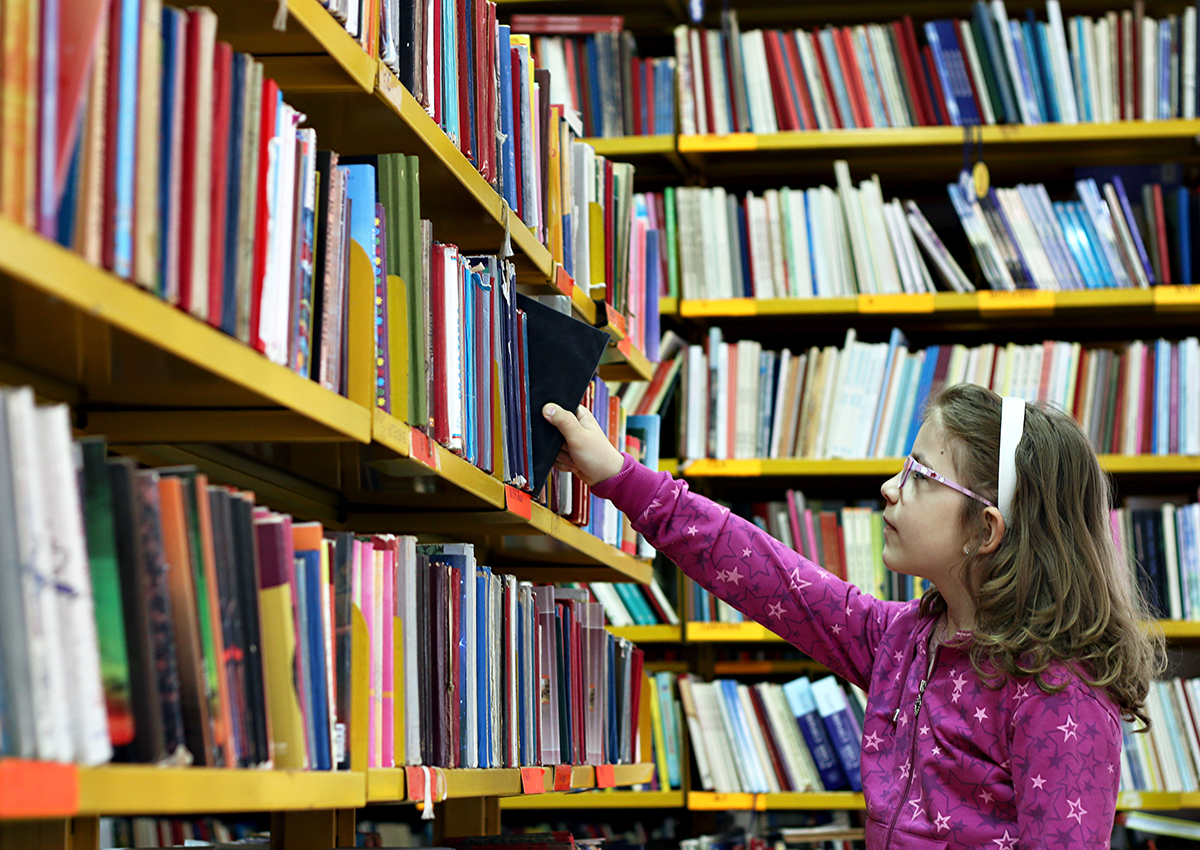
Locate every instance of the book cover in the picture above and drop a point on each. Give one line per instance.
(801, 699)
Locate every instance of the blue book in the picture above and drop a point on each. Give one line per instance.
(304, 657)
(600, 411)
(1183, 233)
(749, 765)
(655, 246)
(952, 71)
(508, 156)
(744, 252)
(839, 723)
(1026, 72)
(1039, 32)
(473, 140)
(1164, 69)
(803, 703)
(993, 54)
(483, 639)
(449, 71)
(635, 604)
(1029, 44)
(360, 189)
(1084, 83)
(64, 223)
(123, 178)
(1088, 225)
(924, 383)
(172, 50)
(233, 198)
(895, 340)
(1075, 245)
(318, 700)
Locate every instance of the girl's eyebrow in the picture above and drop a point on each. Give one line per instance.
(918, 457)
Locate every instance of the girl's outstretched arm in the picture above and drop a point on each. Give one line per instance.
(827, 618)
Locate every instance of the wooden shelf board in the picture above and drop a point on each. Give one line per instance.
(596, 799)
(696, 632)
(708, 801)
(795, 467)
(37, 789)
(145, 790)
(241, 374)
(649, 634)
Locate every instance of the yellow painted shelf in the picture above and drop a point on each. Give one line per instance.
(335, 41)
(728, 632)
(557, 528)
(780, 467)
(707, 801)
(453, 783)
(145, 790)
(1180, 629)
(619, 146)
(597, 799)
(668, 306)
(1032, 135)
(986, 303)
(385, 784)
(649, 634)
(226, 373)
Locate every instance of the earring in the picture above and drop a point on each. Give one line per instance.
(967, 550)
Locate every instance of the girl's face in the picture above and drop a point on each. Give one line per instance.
(922, 527)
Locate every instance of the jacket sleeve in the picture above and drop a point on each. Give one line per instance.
(1066, 769)
(827, 618)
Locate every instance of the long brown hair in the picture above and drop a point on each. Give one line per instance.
(1056, 589)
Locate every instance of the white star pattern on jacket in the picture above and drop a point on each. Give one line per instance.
(1004, 767)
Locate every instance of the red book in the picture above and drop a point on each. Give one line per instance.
(1160, 226)
(437, 310)
(515, 61)
(975, 84)
(1118, 429)
(222, 73)
(831, 546)
(567, 24)
(1146, 401)
(584, 89)
(570, 51)
(906, 37)
(492, 70)
(464, 93)
(877, 68)
(648, 93)
(823, 67)
(934, 85)
(80, 28)
(707, 78)
(791, 53)
(1080, 389)
(786, 110)
(1047, 361)
(939, 371)
(609, 242)
(844, 39)
(113, 111)
(270, 96)
(635, 67)
(479, 93)
(1139, 14)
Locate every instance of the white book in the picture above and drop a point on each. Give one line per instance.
(892, 402)
(715, 740)
(779, 419)
(911, 251)
(1105, 33)
(805, 776)
(987, 360)
(894, 100)
(1021, 96)
(1095, 208)
(1187, 722)
(684, 81)
(778, 236)
(197, 219)
(695, 731)
(1171, 562)
(1191, 408)
(1092, 68)
(822, 275)
(762, 84)
(856, 228)
(1187, 70)
(872, 400)
(1127, 250)
(1027, 240)
(833, 429)
(700, 82)
(1149, 57)
(1063, 83)
(35, 559)
(720, 106)
(72, 589)
(799, 270)
(886, 255)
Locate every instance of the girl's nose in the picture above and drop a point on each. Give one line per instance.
(890, 489)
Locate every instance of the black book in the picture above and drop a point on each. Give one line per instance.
(149, 740)
(343, 603)
(247, 588)
(231, 621)
(563, 355)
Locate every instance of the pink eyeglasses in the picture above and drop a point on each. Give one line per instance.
(911, 466)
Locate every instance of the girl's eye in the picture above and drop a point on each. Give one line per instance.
(920, 476)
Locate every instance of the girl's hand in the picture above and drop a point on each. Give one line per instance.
(587, 452)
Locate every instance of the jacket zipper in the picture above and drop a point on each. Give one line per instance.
(912, 755)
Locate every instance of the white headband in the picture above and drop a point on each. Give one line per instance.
(1012, 426)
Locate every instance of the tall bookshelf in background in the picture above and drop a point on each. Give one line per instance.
(166, 389)
(914, 162)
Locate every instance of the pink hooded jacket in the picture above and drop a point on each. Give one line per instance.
(946, 761)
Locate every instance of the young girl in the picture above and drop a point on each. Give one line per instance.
(994, 702)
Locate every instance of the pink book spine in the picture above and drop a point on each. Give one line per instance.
(811, 536)
(794, 522)
(389, 659)
(1114, 522)
(367, 579)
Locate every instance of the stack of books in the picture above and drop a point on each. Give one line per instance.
(1160, 537)
(1167, 757)
(866, 399)
(991, 69)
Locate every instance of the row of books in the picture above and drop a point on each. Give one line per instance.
(1022, 239)
(991, 69)
(1167, 757)
(867, 399)
(171, 832)
(666, 723)
(629, 604)
(771, 738)
(189, 625)
(584, 53)
(822, 242)
(1161, 539)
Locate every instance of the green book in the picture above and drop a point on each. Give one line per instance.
(106, 589)
(410, 268)
(672, 250)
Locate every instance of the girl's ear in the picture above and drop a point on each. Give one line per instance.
(994, 528)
